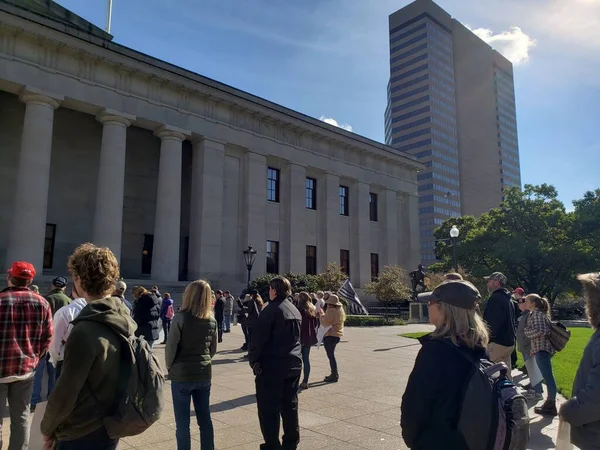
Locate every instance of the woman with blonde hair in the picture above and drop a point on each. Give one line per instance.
(191, 345)
(582, 410)
(537, 329)
(308, 333)
(333, 316)
(431, 405)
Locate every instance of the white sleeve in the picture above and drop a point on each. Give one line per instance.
(61, 325)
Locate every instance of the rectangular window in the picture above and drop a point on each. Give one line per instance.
(272, 257)
(345, 261)
(344, 206)
(311, 260)
(49, 241)
(273, 185)
(311, 193)
(374, 266)
(373, 207)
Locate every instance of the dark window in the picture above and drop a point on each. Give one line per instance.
(49, 241)
(311, 260)
(343, 200)
(272, 257)
(311, 193)
(273, 185)
(147, 254)
(373, 207)
(374, 266)
(345, 261)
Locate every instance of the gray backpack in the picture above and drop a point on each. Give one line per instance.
(493, 415)
(139, 396)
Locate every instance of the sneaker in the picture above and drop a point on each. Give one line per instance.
(245, 347)
(303, 386)
(548, 408)
(331, 378)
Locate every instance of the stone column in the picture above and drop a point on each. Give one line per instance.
(411, 242)
(295, 212)
(28, 227)
(328, 222)
(389, 241)
(165, 254)
(255, 205)
(206, 209)
(108, 216)
(360, 234)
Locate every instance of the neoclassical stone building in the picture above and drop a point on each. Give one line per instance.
(178, 173)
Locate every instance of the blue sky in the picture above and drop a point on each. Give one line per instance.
(329, 58)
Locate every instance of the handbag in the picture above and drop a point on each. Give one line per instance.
(559, 336)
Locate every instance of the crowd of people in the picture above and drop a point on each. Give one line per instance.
(75, 342)
(433, 405)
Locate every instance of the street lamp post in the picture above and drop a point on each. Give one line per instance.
(453, 235)
(249, 255)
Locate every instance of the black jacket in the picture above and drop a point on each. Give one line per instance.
(500, 317)
(433, 397)
(146, 313)
(219, 309)
(275, 342)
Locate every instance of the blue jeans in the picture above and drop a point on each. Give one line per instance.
(306, 362)
(227, 322)
(538, 387)
(199, 393)
(544, 362)
(36, 396)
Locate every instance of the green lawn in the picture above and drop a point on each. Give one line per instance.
(564, 363)
(414, 335)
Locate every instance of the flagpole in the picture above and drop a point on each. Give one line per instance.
(109, 16)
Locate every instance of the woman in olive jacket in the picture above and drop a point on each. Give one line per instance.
(191, 345)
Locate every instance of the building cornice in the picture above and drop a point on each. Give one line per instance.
(190, 93)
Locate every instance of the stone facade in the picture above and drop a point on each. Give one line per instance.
(169, 169)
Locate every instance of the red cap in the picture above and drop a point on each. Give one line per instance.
(22, 269)
(519, 291)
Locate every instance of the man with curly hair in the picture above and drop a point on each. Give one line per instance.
(582, 410)
(86, 388)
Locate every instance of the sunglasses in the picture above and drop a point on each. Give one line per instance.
(521, 301)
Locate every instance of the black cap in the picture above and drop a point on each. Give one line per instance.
(459, 293)
(60, 282)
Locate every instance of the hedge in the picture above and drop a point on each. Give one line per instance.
(372, 321)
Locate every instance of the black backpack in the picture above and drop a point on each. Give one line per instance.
(493, 414)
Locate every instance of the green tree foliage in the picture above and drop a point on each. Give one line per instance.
(332, 278)
(529, 238)
(307, 283)
(392, 285)
(587, 224)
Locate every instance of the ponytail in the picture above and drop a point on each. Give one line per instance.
(540, 303)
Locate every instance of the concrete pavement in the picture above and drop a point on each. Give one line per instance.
(362, 411)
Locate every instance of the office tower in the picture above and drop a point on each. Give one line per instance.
(451, 104)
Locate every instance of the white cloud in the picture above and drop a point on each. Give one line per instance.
(514, 44)
(332, 121)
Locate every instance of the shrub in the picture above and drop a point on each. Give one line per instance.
(308, 283)
(372, 321)
(391, 286)
(568, 307)
(332, 279)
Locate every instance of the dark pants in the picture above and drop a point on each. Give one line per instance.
(330, 342)
(246, 336)
(220, 328)
(59, 365)
(544, 362)
(277, 396)
(513, 358)
(96, 440)
(306, 362)
(166, 328)
(199, 393)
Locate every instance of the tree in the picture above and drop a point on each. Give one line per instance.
(332, 278)
(586, 226)
(307, 283)
(528, 237)
(392, 285)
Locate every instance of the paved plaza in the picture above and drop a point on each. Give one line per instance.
(362, 411)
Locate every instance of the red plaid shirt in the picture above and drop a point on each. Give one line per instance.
(25, 330)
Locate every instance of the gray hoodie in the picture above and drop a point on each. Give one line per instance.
(523, 342)
(582, 410)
